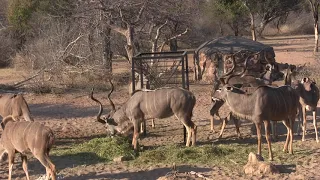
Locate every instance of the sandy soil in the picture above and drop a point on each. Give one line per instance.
(71, 116)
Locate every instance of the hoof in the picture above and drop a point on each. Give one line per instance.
(285, 150)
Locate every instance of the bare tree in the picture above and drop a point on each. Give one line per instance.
(314, 5)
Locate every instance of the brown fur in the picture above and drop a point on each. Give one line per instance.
(308, 98)
(32, 137)
(265, 104)
(15, 105)
(160, 103)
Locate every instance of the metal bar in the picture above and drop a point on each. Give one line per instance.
(187, 71)
(166, 52)
(182, 71)
(141, 75)
(160, 57)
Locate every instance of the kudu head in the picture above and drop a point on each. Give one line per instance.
(271, 73)
(115, 121)
(308, 84)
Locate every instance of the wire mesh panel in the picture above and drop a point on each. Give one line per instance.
(162, 69)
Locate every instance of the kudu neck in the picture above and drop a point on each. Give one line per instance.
(241, 104)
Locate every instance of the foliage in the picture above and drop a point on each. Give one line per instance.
(105, 149)
(20, 12)
(231, 12)
(269, 10)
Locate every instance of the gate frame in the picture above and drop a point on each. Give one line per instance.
(163, 55)
(183, 55)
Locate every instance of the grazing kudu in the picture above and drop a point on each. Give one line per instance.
(265, 104)
(146, 104)
(15, 105)
(309, 97)
(24, 137)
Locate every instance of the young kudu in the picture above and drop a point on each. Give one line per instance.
(309, 97)
(15, 105)
(24, 137)
(148, 104)
(265, 104)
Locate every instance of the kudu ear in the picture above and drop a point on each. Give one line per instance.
(305, 79)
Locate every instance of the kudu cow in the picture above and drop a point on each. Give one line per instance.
(15, 105)
(24, 137)
(265, 104)
(146, 104)
(309, 97)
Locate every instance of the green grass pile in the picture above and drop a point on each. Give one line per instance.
(99, 149)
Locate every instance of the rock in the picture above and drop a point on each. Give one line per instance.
(256, 165)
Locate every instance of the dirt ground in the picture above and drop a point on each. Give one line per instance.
(72, 117)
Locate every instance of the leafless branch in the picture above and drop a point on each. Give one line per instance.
(140, 12)
(173, 37)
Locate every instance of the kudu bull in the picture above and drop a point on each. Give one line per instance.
(265, 78)
(309, 97)
(265, 104)
(24, 137)
(15, 105)
(146, 104)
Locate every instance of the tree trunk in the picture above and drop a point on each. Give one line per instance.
(315, 8)
(253, 31)
(107, 52)
(130, 46)
(173, 45)
(316, 36)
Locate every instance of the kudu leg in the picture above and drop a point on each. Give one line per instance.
(288, 124)
(291, 123)
(25, 165)
(153, 125)
(224, 124)
(46, 162)
(143, 127)
(135, 134)
(299, 126)
(304, 123)
(258, 127)
(267, 132)
(237, 124)
(11, 162)
(314, 114)
(212, 124)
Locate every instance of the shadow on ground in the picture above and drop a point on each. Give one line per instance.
(140, 175)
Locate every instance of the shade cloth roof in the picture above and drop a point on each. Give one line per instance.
(232, 44)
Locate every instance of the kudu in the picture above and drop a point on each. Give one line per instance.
(15, 105)
(24, 137)
(309, 97)
(146, 104)
(265, 78)
(265, 104)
